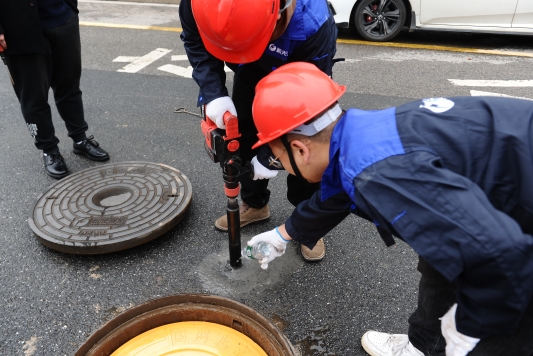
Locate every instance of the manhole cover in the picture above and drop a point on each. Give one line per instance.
(188, 324)
(111, 207)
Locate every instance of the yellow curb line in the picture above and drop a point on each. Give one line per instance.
(438, 48)
(352, 42)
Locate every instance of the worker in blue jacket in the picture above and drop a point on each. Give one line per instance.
(253, 38)
(452, 177)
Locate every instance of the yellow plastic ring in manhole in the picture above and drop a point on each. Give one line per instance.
(190, 338)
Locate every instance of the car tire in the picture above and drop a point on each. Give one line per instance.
(379, 20)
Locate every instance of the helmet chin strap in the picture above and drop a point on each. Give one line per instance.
(291, 157)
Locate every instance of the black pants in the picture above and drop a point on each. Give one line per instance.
(254, 192)
(435, 298)
(60, 69)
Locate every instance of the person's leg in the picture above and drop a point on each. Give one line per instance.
(520, 343)
(253, 192)
(436, 295)
(30, 74)
(65, 46)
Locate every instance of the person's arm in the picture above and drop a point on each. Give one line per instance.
(208, 71)
(312, 219)
(320, 48)
(449, 221)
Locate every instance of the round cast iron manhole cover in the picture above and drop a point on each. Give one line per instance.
(111, 207)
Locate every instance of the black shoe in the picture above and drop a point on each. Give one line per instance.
(55, 166)
(90, 149)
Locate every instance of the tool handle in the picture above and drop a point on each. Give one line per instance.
(232, 126)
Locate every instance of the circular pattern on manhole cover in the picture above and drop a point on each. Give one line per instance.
(111, 207)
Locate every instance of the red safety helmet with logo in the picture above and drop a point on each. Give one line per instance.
(236, 31)
(289, 97)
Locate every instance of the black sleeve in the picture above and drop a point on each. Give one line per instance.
(449, 221)
(312, 219)
(73, 5)
(208, 71)
(320, 48)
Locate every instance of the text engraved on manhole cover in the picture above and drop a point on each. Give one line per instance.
(111, 207)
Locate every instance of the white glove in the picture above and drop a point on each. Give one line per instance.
(457, 344)
(273, 237)
(216, 109)
(262, 172)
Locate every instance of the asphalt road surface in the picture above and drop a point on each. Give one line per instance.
(51, 302)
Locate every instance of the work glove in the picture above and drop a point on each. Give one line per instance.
(457, 344)
(262, 172)
(273, 237)
(216, 109)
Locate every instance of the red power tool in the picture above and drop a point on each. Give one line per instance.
(222, 146)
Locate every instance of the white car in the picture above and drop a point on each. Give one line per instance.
(381, 20)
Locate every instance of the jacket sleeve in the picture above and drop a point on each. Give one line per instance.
(208, 71)
(449, 221)
(320, 48)
(312, 219)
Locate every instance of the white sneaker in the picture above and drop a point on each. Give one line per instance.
(383, 344)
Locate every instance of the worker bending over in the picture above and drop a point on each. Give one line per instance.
(453, 178)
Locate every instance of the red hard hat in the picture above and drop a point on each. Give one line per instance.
(236, 31)
(289, 97)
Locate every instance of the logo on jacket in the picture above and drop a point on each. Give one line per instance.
(273, 48)
(437, 105)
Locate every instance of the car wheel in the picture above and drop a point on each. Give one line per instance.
(379, 20)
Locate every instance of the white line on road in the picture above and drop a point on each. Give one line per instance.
(180, 57)
(492, 83)
(486, 93)
(125, 59)
(127, 3)
(181, 71)
(144, 61)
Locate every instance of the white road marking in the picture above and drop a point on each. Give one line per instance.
(492, 83)
(144, 61)
(181, 71)
(125, 59)
(486, 93)
(181, 57)
(129, 3)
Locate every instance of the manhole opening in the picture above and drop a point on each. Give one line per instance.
(112, 196)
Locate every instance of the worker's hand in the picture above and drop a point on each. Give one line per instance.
(216, 109)
(3, 41)
(262, 172)
(273, 237)
(457, 344)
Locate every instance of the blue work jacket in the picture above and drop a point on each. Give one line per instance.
(310, 37)
(453, 178)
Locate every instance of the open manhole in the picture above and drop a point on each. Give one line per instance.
(111, 207)
(188, 325)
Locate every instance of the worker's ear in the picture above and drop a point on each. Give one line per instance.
(300, 150)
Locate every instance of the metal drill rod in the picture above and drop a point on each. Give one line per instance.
(234, 232)
(232, 169)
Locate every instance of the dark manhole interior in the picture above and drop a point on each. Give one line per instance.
(112, 196)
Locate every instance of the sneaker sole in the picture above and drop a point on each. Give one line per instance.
(81, 153)
(221, 228)
(367, 348)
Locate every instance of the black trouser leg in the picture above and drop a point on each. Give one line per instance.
(63, 42)
(30, 73)
(253, 192)
(520, 343)
(436, 296)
